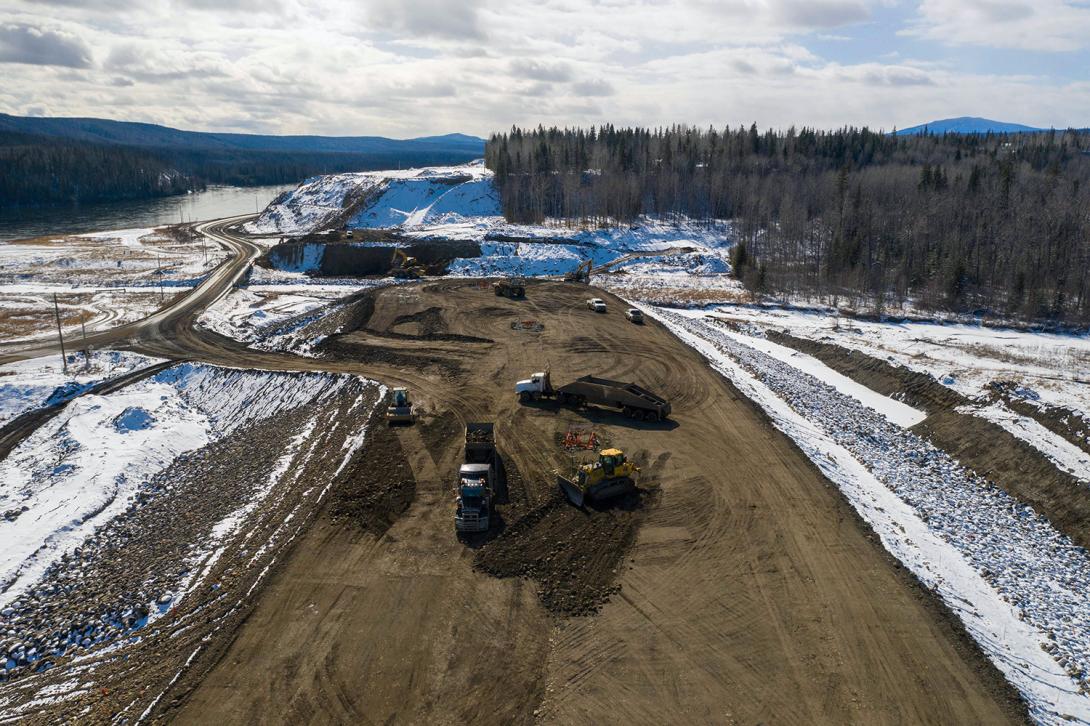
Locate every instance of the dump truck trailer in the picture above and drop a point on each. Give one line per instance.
(633, 401)
(476, 479)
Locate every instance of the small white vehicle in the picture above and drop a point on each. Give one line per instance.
(597, 304)
(635, 315)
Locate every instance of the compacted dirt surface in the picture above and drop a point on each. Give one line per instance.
(736, 587)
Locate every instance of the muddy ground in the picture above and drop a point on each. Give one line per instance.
(738, 588)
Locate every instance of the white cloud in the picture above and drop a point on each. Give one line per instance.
(1041, 25)
(416, 67)
(456, 19)
(36, 45)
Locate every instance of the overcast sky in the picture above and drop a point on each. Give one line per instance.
(412, 67)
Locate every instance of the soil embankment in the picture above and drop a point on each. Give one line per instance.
(321, 257)
(980, 445)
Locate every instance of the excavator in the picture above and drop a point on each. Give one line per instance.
(403, 266)
(612, 475)
(581, 273)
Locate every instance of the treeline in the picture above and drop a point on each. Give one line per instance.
(994, 223)
(40, 170)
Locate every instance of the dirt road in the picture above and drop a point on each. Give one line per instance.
(751, 592)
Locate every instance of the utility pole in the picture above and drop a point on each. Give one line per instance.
(86, 350)
(57, 312)
(159, 269)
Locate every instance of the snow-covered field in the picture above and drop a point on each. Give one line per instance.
(1043, 369)
(1017, 584)
(40, 381)
(102, 280)
(132, 257)
(1051, 367)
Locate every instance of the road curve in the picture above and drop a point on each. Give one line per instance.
(176, 314)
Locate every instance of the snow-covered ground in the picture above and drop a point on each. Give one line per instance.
(1050, 367)
(103, 279)
(409, 198)
(1065, 455)
(270, 317)
(460, 203)
(85, 466)
(116, 258)
(1045, 369)
(1017, 584)
(29, 384)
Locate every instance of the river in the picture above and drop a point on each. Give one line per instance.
(213, 203)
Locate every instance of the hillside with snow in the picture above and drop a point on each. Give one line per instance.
(460, 203)
(410, 199)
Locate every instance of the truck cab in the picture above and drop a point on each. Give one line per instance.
(474, 498)
(534, 387)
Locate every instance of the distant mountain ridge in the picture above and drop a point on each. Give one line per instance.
(967, 125)
(50, 161)
(131, 133)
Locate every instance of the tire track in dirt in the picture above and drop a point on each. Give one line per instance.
(751, 592)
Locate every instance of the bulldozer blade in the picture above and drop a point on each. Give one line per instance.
(570, 491)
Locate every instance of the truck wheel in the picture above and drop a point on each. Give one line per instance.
(626, 411)
(524, 397)
(650, 416)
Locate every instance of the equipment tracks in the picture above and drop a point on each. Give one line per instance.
(752, 591)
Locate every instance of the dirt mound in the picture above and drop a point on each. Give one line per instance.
(574, 555)
(1064, 422)
(378, 486)
(429, 321)
(426, 325)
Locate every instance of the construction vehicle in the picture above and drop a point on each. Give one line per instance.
(509, 288)
(476, 479)
(611, 476)
(405, 267)
(400, 408)
(634, 401)
(581, 273)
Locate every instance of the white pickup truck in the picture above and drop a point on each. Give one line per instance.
(597, 304)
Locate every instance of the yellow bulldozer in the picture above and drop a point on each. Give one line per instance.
(611, 476)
